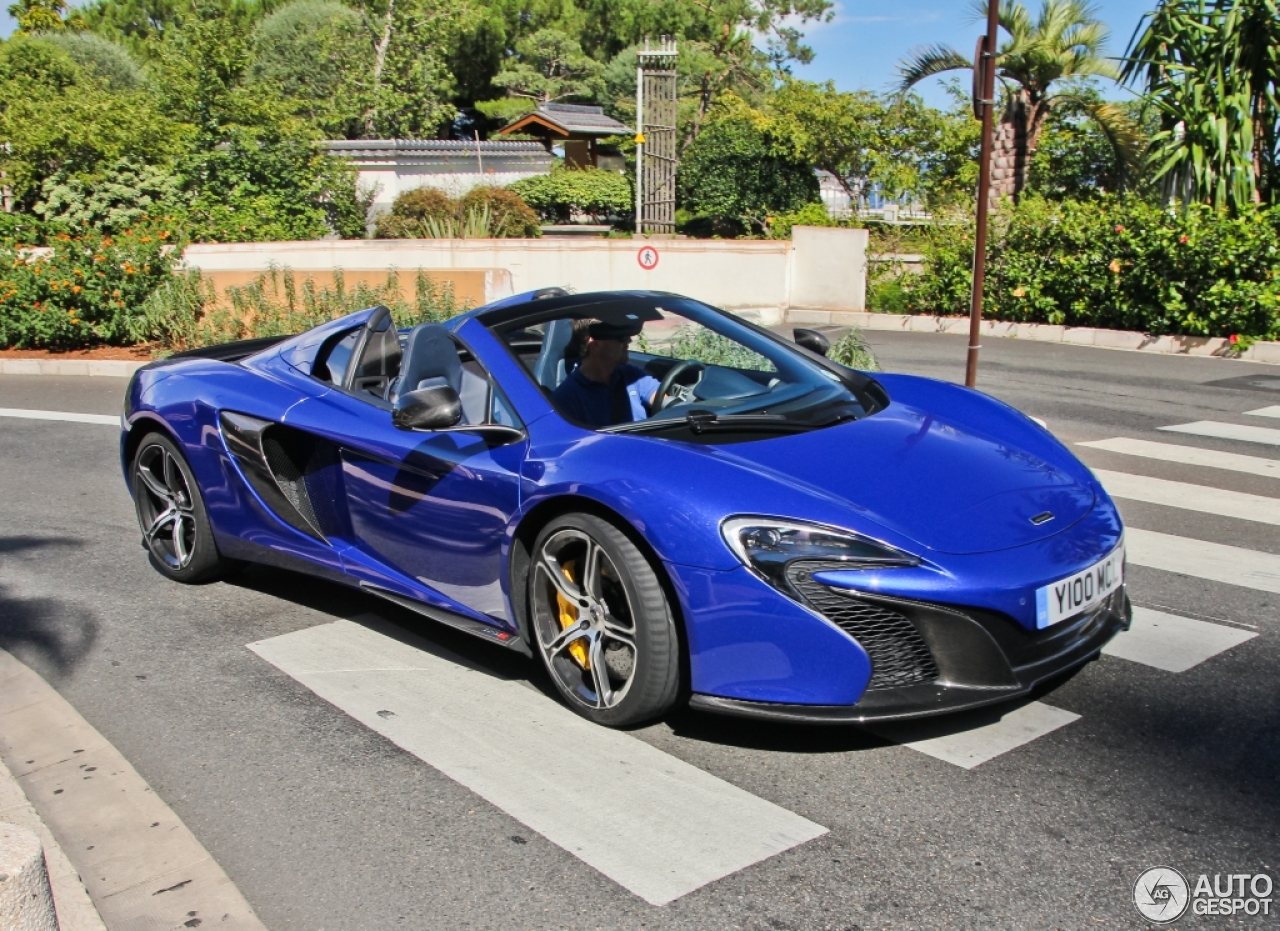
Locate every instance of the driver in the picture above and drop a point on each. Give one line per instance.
(605, 389)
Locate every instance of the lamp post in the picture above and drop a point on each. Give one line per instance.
(984, 86)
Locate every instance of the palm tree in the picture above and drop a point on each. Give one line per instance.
(1211, 70)
(1065, 41)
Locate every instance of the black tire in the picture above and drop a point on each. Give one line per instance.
(621, 616)
(171, 514)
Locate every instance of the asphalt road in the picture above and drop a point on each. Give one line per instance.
(326, 826)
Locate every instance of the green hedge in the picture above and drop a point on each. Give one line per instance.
(567, 193)
(1115, 263)
(79, 290)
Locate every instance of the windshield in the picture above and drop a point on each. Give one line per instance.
(675, 367)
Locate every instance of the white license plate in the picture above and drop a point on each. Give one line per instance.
(1068, 597)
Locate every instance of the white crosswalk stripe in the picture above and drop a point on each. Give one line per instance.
(1228, 431)
(1257, 508)
(67, 416)
(1201, 559)
(1172, 643)
(649, 821)
(959, 740)
(1273, 411)
(1188, 455)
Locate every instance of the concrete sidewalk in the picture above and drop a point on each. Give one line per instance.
(75, 909)
(119, 858)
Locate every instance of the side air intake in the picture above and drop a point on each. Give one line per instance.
(294, 473)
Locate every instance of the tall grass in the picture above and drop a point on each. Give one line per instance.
(185, 312)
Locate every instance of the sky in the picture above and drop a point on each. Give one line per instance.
(862, 45)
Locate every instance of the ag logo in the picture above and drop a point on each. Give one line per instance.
(648, 258)
(1161, 894)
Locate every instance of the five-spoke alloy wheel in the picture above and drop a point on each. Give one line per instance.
(171, 514)
(602, 623)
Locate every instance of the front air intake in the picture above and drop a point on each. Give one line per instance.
(898, 653)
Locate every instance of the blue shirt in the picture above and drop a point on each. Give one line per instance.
(590, 402)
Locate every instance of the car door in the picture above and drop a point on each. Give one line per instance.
(427, 511)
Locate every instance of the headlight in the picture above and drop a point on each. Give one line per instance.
(768, 546)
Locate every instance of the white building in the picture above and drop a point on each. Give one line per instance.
(392, 166)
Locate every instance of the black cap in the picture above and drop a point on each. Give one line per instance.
(619, 330)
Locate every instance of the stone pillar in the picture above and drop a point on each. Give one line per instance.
(26, 901)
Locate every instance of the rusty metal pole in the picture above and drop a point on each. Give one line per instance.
(987, 65)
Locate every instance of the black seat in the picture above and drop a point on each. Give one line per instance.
(429, 354)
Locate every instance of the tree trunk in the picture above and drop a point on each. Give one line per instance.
(379, 63)
(1016, 138)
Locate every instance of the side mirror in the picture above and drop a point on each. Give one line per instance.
(811, 340)
(433, 408)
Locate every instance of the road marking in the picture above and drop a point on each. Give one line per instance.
(1203, 560)
(647, 820)
(1239, 505)
(112, 419)
(1172, 643)
(1188, 455)
(1273, 411)
(1228, 431)
(940, 737)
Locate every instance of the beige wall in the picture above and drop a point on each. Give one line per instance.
(470, 285)
(819, 268)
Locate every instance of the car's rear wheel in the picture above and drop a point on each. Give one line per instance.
(602, 623)
(171, 514)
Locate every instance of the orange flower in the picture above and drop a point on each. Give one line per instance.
(115, 293)
(1114, 266)
(76, 289)
(164, 234)
(1019, 292)
(99, 258)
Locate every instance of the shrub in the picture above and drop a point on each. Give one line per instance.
(411, 211)
(567, 194)
(1117, 263)
(852, 350)
(184, 312)
(483, 213)
(86, 289)
(126, 194)
(808, 215)
(510, 216)
(741, 167)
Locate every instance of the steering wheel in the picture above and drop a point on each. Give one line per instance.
(677, 393)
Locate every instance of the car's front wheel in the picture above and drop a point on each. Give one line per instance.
(171, 514)
(603, 626)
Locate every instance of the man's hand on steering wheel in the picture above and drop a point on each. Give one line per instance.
(669, 392)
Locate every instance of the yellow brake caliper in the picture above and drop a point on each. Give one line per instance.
(569, 616)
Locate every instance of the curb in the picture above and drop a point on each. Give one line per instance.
(26, 901)
(113, 368)
(72, 905)
(1212, 346)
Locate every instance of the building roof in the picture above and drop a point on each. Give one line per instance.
(569, 119)
(433, 152)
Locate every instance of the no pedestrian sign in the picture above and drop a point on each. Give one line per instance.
(648, 258)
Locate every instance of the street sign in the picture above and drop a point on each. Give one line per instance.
(980, 64)
(648, 258)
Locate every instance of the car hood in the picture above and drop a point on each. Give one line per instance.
(979, 478)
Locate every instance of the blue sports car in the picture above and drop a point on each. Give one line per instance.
(663, 502)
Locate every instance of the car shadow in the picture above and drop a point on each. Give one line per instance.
(50, 634)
